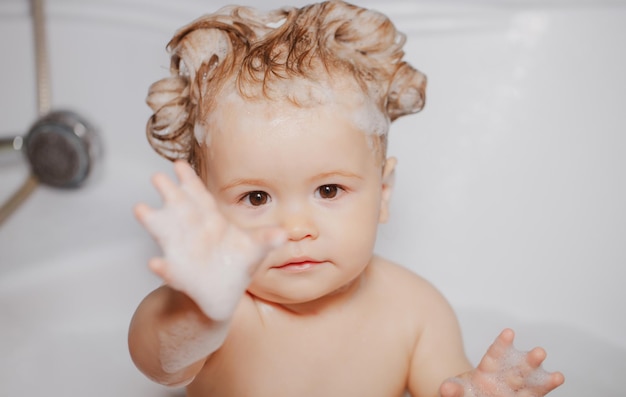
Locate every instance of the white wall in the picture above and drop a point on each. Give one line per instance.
(510, 186)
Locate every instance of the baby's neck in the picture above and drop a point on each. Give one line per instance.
(326, 304)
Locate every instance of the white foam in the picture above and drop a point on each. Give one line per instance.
(369, 119)
(510, 371)
(360, 109)
(184, 343)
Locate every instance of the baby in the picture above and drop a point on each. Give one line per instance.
(277, 122)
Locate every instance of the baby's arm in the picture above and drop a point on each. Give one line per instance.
(505, 372)
(438, 353)
(207, 265)
(170, 337)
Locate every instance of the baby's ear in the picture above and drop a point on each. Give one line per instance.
(389, 173)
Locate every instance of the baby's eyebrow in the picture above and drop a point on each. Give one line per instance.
(243, 182)
(345, 174)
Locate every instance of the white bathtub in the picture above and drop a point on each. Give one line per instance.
(509, 197)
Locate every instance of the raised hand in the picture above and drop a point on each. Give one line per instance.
(505, 372)
(204, 255)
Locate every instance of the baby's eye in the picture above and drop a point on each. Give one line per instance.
(256, 198)
(328, 191)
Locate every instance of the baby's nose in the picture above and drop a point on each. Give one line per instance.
(300, 225)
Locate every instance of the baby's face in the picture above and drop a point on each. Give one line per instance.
(309, 171)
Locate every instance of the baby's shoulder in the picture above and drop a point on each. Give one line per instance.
(400, 284)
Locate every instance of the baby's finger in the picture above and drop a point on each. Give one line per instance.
(168, 190)
(542, 382)
(452, 388)
(497, 350)
(142, 213)
(151, 220)
(556, 380)
(535, 357)
(191, 182)
(184, 171)
(159, 266)
(270, 237)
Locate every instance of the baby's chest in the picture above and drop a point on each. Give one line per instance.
(349, 359)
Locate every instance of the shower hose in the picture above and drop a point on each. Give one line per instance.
(43, 102)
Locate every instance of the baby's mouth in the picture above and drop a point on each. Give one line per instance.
(297, 265)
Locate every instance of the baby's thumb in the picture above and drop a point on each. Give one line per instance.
(452, 387)
(270, 237)
(265, 239)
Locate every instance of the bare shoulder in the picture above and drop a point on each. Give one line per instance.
(401, 282)
(437, 347)
(414, 299)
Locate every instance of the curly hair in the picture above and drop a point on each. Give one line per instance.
(254, 51)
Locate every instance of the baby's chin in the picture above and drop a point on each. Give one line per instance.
(289, 297)
(313, 298)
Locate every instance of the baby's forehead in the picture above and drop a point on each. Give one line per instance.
(235, 113)
(300, 96)
(301, 92)
(236, 110)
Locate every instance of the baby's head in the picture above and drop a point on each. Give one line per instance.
(326, 54)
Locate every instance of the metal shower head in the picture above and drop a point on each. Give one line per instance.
(62, 148)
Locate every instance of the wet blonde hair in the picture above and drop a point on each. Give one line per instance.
(252, 51)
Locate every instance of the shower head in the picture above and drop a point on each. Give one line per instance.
(62, 148)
